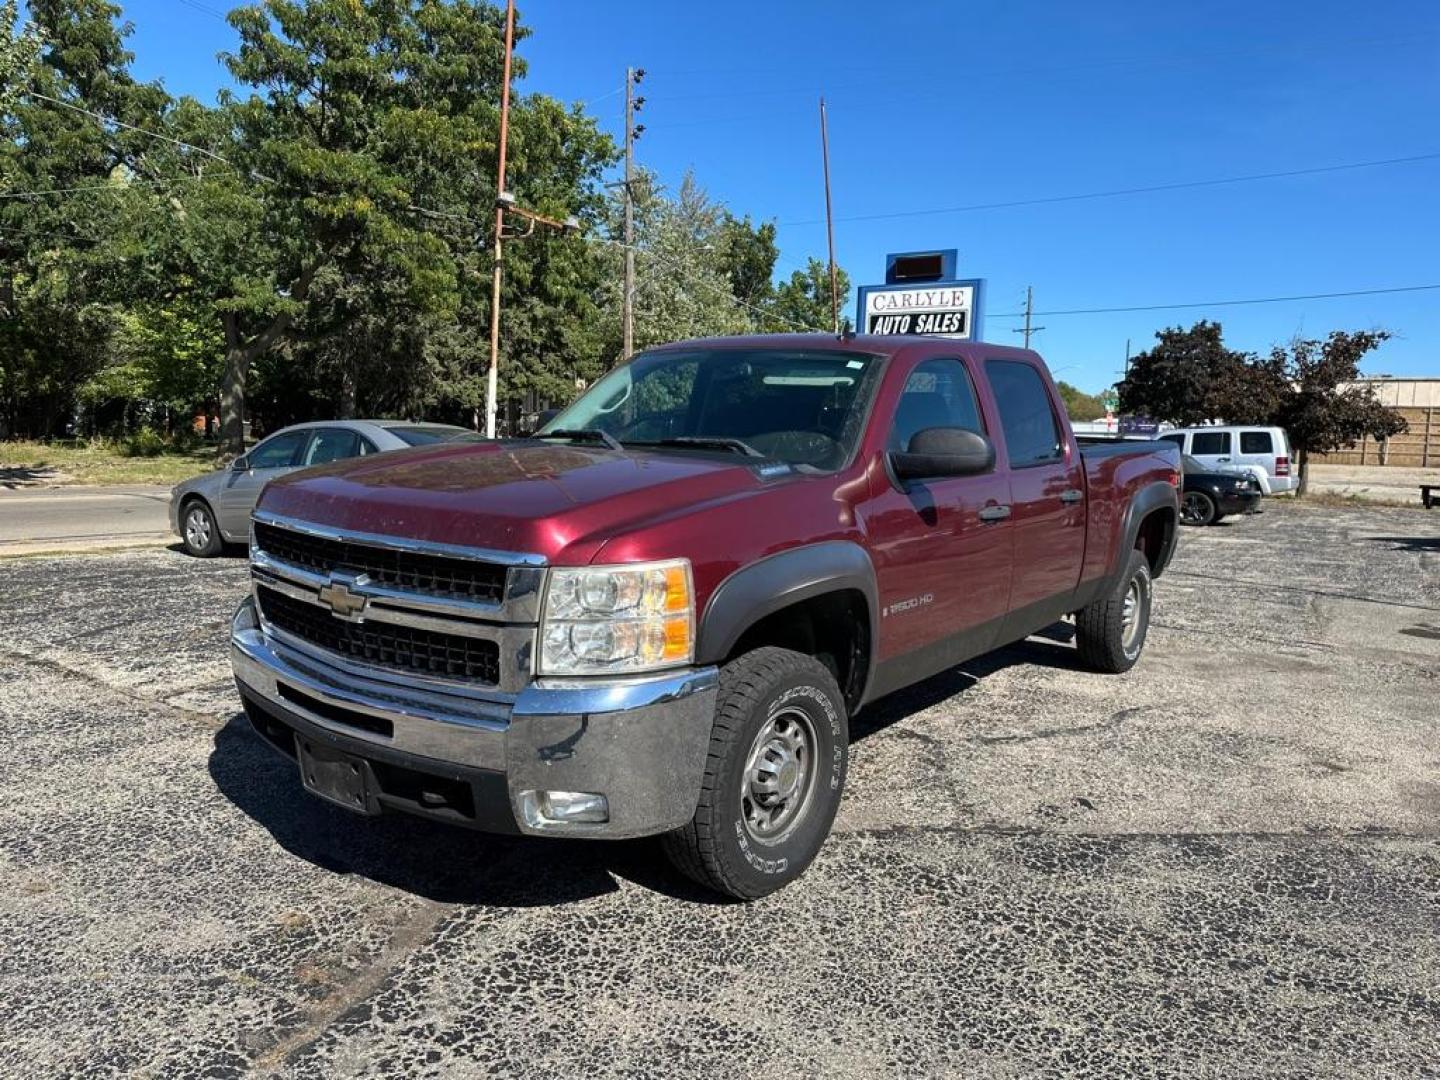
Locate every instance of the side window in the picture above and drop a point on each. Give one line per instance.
(1032, 437)
(332, 444)
(1256, 442)
(367, 447)
(1178, 440)
(1210, 442)
(938, 393)
(278, 452)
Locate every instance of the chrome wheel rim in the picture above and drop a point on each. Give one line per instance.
(779, 776)
(197, 528)
(1194, 508)
(1130, 615)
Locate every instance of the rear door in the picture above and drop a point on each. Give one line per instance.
(941, 547)
(274, 457)
(1213, 449)
(1047, 494)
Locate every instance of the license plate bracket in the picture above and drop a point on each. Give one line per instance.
(337, 777)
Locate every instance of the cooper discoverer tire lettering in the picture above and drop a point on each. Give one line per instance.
(774, 774)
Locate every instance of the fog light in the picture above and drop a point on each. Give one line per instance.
(565, 807)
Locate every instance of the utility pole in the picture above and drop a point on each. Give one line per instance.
(830, 222)
(633, 104)
(1029, 309)
(501, 198)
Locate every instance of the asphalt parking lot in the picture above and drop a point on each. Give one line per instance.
(1225, 863)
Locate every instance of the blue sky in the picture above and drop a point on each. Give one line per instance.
(941, 104)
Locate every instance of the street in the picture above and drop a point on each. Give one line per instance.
(61, 517)
(1224, 863)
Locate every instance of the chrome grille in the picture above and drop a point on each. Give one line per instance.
(383, 644)
(411, 571)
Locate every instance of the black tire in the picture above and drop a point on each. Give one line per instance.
(199, 531)
(725, 846)
(1101, 633)
(1197, 508)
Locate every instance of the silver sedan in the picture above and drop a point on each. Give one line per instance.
(209, 511)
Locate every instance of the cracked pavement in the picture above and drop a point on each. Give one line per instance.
(1225, 863)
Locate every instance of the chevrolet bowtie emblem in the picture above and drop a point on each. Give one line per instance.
(342, 601)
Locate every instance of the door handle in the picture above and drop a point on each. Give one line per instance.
(1074, 495)
(994, 513)
(1222, 459)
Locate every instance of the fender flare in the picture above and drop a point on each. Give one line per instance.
(1156, 495)
(778, 581)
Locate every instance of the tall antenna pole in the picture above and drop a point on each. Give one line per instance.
(1029, 308)
(627, 306)
(492, 382)
(830, 222)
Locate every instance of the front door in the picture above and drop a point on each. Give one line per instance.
(1047, 495)
(941, 549)
(274, 457)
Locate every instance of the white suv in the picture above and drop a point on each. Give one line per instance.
(1263, 452)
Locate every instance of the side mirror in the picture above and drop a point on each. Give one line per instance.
(939, 452)
(543, 417)
(240, 464)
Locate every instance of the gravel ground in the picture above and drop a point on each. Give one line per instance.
(1223, 864)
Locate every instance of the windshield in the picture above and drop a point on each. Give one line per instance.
(1191, 465)
(803, 407)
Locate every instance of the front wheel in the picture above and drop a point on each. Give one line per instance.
(1197, 508)
(1110, 631)
(773, 777)
(201, 534)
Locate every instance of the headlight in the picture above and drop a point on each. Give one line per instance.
(608, 620)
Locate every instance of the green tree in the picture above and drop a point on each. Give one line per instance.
(683, 287)
(1316, 406)
(61, 247)
(1080, 405)
(803, 302)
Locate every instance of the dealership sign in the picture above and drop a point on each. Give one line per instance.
(933, 309)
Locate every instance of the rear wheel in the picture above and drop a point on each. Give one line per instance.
(773, 777)
(199, 531)
(1197, 508)
(1110, 631)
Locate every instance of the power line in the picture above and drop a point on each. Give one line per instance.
(114, 185)
(143, 131)
(206, 9)
(1226, 303)
(1117, 192)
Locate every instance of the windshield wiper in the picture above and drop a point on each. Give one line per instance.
(584, 435)
(704, 442)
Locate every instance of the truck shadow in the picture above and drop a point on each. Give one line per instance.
(1044, 648)
(440, 862)
(453, 865)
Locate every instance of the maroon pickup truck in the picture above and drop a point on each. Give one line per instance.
(657, 615)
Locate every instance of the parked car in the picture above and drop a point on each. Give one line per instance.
(211, 510)
(657, 615)
(1262, 452)
(1209, 494)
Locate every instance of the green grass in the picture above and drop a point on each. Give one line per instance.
(99, 461)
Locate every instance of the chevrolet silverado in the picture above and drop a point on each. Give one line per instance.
(656, 615)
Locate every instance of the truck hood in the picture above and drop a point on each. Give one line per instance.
(561, 502)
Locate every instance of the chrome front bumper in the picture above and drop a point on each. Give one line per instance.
(640, 742)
